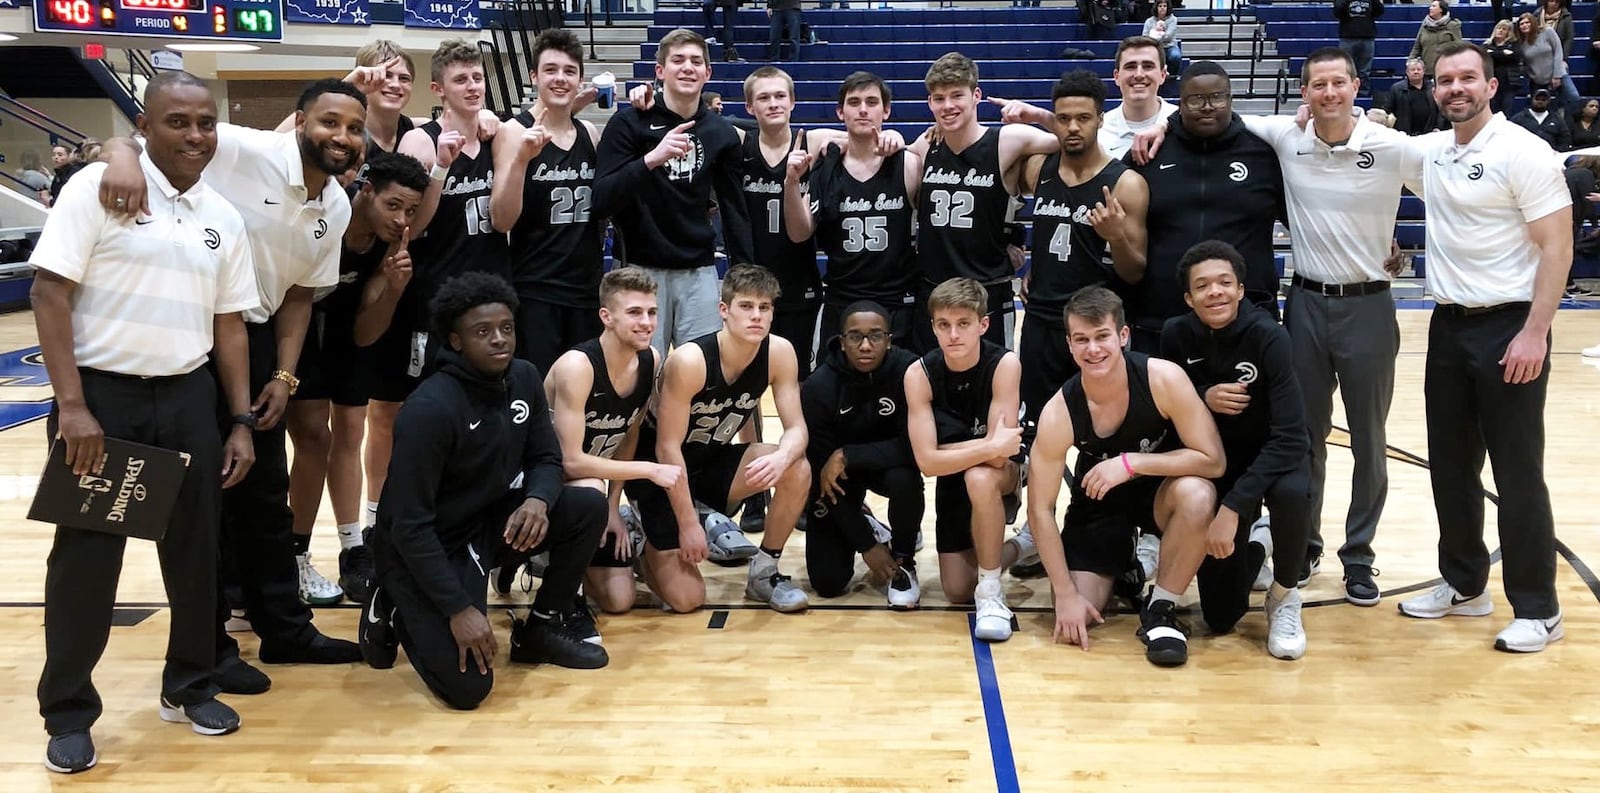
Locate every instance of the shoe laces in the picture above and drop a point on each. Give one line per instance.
(1285, 621)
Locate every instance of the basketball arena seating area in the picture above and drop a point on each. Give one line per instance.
(1019, 49)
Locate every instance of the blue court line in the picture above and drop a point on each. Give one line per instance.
(994, 713)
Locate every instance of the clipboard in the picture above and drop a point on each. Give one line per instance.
(133, 495)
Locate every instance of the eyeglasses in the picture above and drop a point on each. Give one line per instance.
(1200, 101)
(876, 337)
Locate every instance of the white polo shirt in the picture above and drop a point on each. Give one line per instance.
(1342, 200)
(1116, 132)
(1481, 197)
(295, 241)
(149, 288)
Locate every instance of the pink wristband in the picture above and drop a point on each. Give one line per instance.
(1127, 467)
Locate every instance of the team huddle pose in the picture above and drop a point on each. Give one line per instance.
(437, 294)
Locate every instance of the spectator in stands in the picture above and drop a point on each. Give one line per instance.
(1437, 28)
(1358, 33)
(1139, 74)
(783, 22)
(1594, 52)
(64, 165)
(1550, 124)
(1581, 176)
(1554, 15)
(1100, 16)
(1506, 51)
(33, 175)
(1586, 125)
(1163, 27)
(730, 53)
(1543, 61)
(88, 151)
(1410, 103)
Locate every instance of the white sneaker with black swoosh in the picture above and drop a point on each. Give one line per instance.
(1529, 635)
(1444, 601)
(375, 634)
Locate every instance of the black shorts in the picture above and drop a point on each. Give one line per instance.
(331, 366)
(395, 355)
(952, 509)
(1099, 536)
(712, 472)
(606, 554)
(1047, 364)
(546, 330)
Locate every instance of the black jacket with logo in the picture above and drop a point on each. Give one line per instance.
(468, 450)
(1268, 439)
(1229, 188)
(661, 213)
(862, 412)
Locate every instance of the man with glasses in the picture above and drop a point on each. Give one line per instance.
(1213, 180)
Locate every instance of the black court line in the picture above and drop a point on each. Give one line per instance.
(719, 618)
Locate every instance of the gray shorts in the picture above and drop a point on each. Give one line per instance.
(687, 302)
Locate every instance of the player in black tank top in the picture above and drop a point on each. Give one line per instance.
(1148, 468)
(961, 216)
(697, 419)
(795, 263)
(557, 243)
(608, 415)
(460, 238)
(961, 399)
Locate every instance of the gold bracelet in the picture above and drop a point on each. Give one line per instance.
(288, 379)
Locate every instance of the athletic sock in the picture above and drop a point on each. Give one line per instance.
(302, 544)
(774, 554)
(1157, 593)
(1277, 591)
(372, 512)
(988, 575)
(349, 535)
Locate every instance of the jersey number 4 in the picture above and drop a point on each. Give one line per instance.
(710, 429)
(1061, 242)
(951, 210)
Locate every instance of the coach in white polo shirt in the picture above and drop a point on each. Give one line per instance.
(1499, 248)
(1343, 176)
(128, 311)
(283, 184)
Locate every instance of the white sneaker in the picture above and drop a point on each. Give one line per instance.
(1286, 636)
(1529, 635)
(905, 592)
(1261, 532)
(768, 586)
(1148, 552)
(316, 589)
(993, 622)
(725, 542)
(1027, 552)
(1445, 601)
(1592, 352)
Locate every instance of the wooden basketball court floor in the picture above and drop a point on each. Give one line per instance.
(853, 696)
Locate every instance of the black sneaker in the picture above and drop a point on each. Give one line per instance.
(375, 634)
(1312, 566)
(753, 518)
(539, 640)
(70, 752)
(1165, 643)
(320, 649)
(578, 622)
(206, 718)
(1013, 506)
(235, 676)
(356, 573)
(1359, 588)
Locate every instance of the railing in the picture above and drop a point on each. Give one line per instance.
(38, 120)
(510, 45)
(1235, 16)
(491, 52)
(124, 91)
(20, 187)
(1280, 91)
(1258, 51)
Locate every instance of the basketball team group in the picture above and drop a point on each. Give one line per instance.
(427, 307)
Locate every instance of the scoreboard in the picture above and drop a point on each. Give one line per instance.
(231, 20)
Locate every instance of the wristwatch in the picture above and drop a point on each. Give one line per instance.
(288, 379)
(245, 420)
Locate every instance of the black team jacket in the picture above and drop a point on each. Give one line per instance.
(468, 449)
(1268, 440)
(661, 213)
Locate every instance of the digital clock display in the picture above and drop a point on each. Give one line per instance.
(226, 20)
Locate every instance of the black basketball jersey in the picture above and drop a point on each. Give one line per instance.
(1143, 429)
(794, 263)
(460, 238)
(721, 408)
(355, 267)
(557, 247)
(606, 414)
(961, 399)
(865, 228)
(1068, 254)
(961, 214)
(373, 150)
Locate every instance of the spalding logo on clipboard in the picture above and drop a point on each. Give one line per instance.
(133, 494)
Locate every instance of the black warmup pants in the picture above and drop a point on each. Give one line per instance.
(576, 521)
(546, 330)
(798, 324)
(80, 585)
(831, 554)
(1471, 409)
(1224, 584)
(257, 536)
